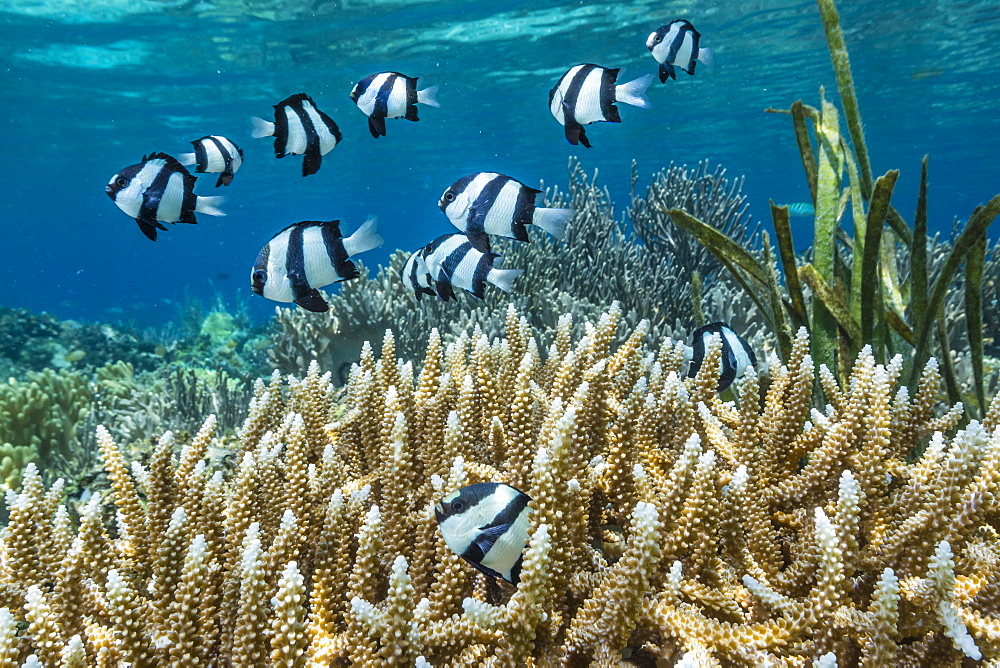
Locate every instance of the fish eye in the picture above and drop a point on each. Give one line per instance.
(121, 183)
(259, 276)
(449, 196)
(658, 39)
(457, 505)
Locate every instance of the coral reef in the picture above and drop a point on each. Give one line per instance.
(38, 341)
(648, 271)
(667, 524)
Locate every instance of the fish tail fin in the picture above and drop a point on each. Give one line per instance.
(261, 128)
(553, 221)
(210, 205)
(186, 158)
(364, 238)
(634, 92)
(504, 278)
(706, 56)
(428, 96)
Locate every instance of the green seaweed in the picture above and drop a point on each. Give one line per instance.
(974, 314)
(856, 295)
(786, 251)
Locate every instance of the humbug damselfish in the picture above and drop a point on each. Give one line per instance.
(487, 525)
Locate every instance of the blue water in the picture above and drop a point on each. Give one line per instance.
(88, 88)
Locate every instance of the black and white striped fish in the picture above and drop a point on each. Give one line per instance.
(587, 94)
(736, 353)
(487, 525)
(453, 262)
(159, 190)
(416, 276)
(489, 203)
(300, 128)
(390, 95)
(676, 45)
(214, 154)
(306, 256)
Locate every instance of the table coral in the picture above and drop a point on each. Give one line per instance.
(667, 524)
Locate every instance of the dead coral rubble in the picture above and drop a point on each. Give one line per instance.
(667, 523)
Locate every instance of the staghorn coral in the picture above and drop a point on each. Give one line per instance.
(641, 260)
(666, 524)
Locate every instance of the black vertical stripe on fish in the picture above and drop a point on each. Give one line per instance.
(280, 131)
(524, 212)
(411, 98)
(607, 97)
(227, 173)
(574, 130)
(336, 252)
(151, 197)
(312, 158)
(201, 155)
(376, 121)
(509, 514)
(450, 263)
(481, 207)
(295, 263)
(482, 271)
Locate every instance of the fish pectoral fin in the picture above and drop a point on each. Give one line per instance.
(149, 227)
(488, 536)
(479, 240)
(443, 286)
(488, 571)
(667, 72)
(311, 300)
(311, 161)
(376, 125)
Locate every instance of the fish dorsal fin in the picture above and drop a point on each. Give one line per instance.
(311, 300)
(335, 224)
(170, 162)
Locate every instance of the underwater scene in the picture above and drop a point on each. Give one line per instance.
(436, 333)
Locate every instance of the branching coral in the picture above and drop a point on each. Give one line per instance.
(666, 523)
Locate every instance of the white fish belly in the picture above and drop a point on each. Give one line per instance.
(588, 104)
(214, 160)
(396, 104)
(319, 269)
(296, 142)
(466, 269)
(172, 199)
(500, 218)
